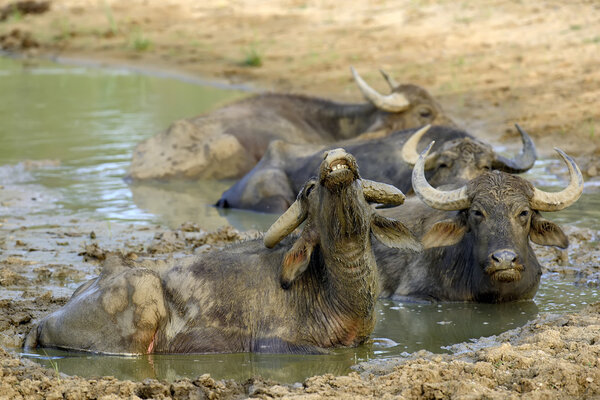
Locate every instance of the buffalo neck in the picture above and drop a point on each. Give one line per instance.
(336, 301)
(341, 120)
(340, 286)
(350, 120)
(456, 271)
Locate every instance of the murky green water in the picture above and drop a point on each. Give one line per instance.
(552, 175)
(90, 119)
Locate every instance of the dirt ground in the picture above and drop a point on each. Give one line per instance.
(491, 63)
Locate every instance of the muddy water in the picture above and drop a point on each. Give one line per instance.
(402, 329)
(552, 175)
(90, 119)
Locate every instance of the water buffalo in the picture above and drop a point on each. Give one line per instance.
(228, 142)
(234, 300)
(458, 156)
(477, 238)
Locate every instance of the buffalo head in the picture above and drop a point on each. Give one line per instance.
(336, 208)
(407, 105)
(463, 159)
(497, 214)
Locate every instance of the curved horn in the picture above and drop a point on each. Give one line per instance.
(409, 150)
(546, 201)
(393, 102)
(285, 224)
(391, 81)
(520, 163)
(377, 192)
(442, 200)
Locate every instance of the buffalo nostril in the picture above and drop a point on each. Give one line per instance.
(504, 256)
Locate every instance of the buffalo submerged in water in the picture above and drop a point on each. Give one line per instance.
(476, 237)
(272, 184)
(228, 142)
(311, 291)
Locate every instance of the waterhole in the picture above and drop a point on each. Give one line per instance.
(89, 119)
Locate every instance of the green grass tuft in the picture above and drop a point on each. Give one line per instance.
(53, 365)
(16, 15)
(139, 42)
(111, 19)
(252, 58)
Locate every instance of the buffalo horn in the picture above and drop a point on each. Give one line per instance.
(442, 200)
(409, 150)
(555, 201)
(520, 163)
(377, 192)
(391, 81)
(393, 102)
(285, 224)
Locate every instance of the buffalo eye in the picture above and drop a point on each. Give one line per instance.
(309, 189)
(477, 214)
(425, 112)
(524, 216)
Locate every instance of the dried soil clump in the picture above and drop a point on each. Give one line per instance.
(17, 40)
(20, 8)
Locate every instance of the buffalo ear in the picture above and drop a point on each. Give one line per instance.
(393, 233)
(296, 260)
(547, 233)
(445, 233)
